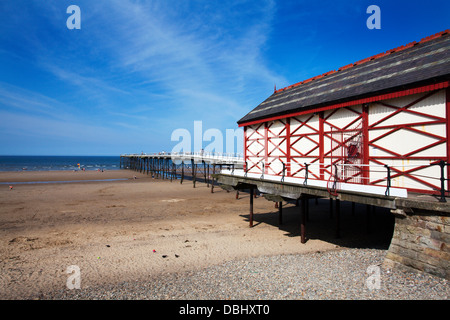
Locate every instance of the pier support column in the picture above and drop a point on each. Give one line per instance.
(182, 172)
(369, 209)
(420, 241)
(212, 179)
(250, 218)
(303, 222)
(204, 170)
(207, 177)
(307, 208)
(331, 208)
(338, 218)
(280, 213)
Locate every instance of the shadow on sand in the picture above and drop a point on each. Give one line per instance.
(359, 228)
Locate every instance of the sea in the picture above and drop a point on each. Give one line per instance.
(55, 163)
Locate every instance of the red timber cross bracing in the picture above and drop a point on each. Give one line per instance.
(383, 120)
(407, 131)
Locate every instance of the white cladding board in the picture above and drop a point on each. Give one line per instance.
(405, 133)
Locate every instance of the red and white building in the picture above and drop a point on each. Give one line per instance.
(346, 129)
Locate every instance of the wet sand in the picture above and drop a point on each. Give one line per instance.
(140, 228)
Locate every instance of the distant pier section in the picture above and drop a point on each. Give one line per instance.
(181, 165)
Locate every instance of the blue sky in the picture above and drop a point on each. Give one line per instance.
(138, 70)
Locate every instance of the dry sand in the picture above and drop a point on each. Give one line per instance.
(138, 229)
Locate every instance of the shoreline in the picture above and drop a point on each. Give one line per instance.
(63, 175)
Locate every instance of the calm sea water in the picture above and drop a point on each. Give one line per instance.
(51, 163)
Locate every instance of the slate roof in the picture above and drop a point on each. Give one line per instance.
(411, 65)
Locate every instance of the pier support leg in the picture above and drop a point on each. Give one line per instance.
(331, 208)
(338, 218)
(212, 179)
(368, 216)
(182, 172)
(204, 170)
(280, 213)
(303, 223)
(193, 173)
(307, 208)
(207, 177)
(251, 208)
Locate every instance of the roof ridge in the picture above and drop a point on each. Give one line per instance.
(374, 57)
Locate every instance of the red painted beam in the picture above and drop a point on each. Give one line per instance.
(447, 110)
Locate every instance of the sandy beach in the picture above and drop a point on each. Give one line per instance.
(141, 228)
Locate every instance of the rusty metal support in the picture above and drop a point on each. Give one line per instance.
(307, 208)
(338, 218)
(193, 172)
(368, 218)
(212, 179)
(182, 172)
(331, 208)
(303, 222)
(204, 170)
(207, 177)
(251, 208)
(280, 213)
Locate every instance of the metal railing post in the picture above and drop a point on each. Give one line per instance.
(442, 165)
(306, 174)
(334, 187)
(387, 192)
(262, 174)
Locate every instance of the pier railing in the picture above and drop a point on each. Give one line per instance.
(201, 156)
(334, 176)
(181, 165)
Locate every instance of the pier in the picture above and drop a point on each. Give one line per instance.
(188, 165)
(421, 232)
